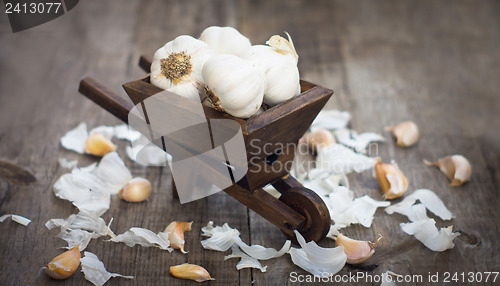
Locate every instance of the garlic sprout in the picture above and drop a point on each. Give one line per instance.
(177, 65)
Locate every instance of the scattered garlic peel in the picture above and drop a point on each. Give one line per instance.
(143, 237)
(358, 142)
(175, 231)
(221, 238)
(191, 272)
(426, 232)
(64, 265)
(146, 153)
(456, 167)
(75, 138)
(428, 198)
(83, 220)
(260, 252)
(331, 119)
(317, 260)
(66, 164)
(17, 218)
(225, 237)
(76, 237)
(391, 179)
(357, 251)
(89, 188)
(345, 211)
(387, 280)
(338, 159)
(246, 261)
(95, 272)
(80, 229)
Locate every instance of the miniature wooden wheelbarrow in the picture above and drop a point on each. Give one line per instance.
(274, 134)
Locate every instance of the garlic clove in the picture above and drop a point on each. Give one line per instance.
(406, 133)
(190, 271)
(98, 145)
(65, 264)
(317, 139)
(234, 85)
(225, 40)
(175, 232)
(456, 167)
(137, 190)
(357, 251)
(391, 180)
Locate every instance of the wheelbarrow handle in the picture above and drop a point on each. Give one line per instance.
(106, 98)
(145, 63)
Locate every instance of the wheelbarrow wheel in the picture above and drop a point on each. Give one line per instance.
(312, 207)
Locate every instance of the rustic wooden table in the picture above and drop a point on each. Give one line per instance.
(434, 62)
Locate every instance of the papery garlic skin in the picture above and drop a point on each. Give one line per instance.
(406, 133)
(175, 232)
(177, 66)
(391, 180)
(225, 40)
(65, 264)
(279, 63)
(190, 271)
(317, 139)
(137, 190)
(456, 167)
(234, 85)
(357, 251)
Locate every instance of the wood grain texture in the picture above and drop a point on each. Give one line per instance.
(434, 62)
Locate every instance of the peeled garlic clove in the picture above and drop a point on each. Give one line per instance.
(190, 271)
(137, 190)
(234, 85)
(317, 139)
(225, 40)
(65, 264)
(391, 180)
(177, 65)
(406, 133)
(456, 167)
(175, 232)
(98, 145)
(357, 251)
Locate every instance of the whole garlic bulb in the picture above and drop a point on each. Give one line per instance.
(234, 85)
(177, 66)
(225, 40)
(278, 61)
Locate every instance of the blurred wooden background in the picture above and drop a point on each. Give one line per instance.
(434, 62)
